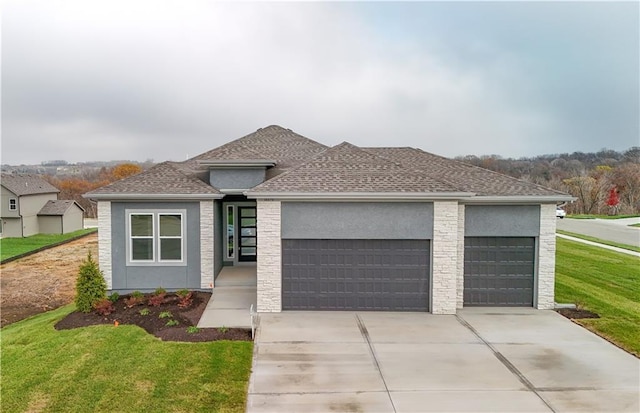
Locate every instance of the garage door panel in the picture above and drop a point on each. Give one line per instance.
(356, 275)
(499, 271)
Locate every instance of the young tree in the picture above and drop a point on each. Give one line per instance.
(90, 285)
(613, 201)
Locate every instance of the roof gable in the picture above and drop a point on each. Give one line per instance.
(161, 180)
(27, 185)
(346, 168)
(58, 207)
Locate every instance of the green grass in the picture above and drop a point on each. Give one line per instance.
(605, 282)
(600, 241)
(635, 225)
(10, 247)
(594, 216)
(107, 368)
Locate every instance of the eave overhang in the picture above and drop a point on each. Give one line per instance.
(152, 197)
(363, 196)
(249, 163)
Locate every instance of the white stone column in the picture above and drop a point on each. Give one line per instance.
(460, 267)
(269, 260)
(546, 257)
(445, 257)
(104, 241)
(206, 244)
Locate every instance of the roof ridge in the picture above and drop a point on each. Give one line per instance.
(513, 178)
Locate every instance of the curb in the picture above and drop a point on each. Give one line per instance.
(46, 247)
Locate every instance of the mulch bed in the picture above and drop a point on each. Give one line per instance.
(576, 313)
(153, 324)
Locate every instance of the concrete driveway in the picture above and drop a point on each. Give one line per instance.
(489, 360)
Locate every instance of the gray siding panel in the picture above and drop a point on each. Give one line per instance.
(357, 220)
(502, 220)
(150, 277)
(236, 178)
(499, 271)
(377, 275)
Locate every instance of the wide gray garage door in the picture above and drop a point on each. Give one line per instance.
(347, 274)
(499, 271)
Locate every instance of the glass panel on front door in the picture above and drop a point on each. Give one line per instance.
(248, 234)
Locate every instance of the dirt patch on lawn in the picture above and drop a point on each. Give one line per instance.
(168, 321)
(577, 313)
(42, 281)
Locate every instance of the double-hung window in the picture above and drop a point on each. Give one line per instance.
(13, 204)
(156, 238)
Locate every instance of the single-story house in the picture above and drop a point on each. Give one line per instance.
(332, 228)
(30, 205)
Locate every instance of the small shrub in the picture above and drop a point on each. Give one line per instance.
(90, 286)
(185, 300)
(182, 293)
(144, 311)
(134, 300)
(104, 306)
(156, 299)
(172, 322)
(192, 329)
(113, 297)
(165, 314)
(159, 291)
(223, 329)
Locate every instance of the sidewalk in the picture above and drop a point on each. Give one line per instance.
(596, 244)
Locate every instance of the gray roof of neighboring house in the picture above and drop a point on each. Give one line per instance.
(27, 185)
(166, 178)
(308, 167)
(58, 207)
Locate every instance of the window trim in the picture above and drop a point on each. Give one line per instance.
(13, 204)
(156, 261)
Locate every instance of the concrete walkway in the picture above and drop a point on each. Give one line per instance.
(597, 244)
(482, 360)
(233, 295)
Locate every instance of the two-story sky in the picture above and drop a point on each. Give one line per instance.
(100, 80)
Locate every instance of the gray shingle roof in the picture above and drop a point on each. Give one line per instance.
(27, 185)
(165, 178)
(346, 168)
(468, 178)
(58, 207)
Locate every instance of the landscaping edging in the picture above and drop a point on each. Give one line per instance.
(46, 247)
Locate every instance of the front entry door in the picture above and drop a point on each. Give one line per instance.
(247, 234)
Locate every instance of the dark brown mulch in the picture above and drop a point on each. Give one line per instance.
(576, 313)
(157, 326)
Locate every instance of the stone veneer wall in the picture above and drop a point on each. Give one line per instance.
(206, 244)
(546, 257)
(104, 241)
(460, 266)
(269, 261)
(445, 257)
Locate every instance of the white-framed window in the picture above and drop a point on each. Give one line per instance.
(156, 237)
(13, 204)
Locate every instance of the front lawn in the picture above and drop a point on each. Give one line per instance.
(108, 368)
(10, 247)
(604, 282)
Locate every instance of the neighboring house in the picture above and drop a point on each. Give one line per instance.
(29, 204)
(61, 217)
(332, 228)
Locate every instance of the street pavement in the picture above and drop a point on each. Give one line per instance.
(616, 230)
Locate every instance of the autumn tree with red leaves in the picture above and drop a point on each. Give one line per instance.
(613, 201)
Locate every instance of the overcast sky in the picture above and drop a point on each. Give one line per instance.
(102, 80)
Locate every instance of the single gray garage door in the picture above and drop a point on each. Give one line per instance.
(347, 274)
(498, 271)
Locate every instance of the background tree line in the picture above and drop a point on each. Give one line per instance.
(590, 177)
(74, 187)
